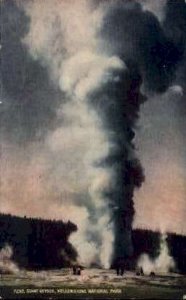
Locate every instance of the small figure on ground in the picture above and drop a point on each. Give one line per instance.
(77, 269)
(140, 272)
(120, 267)
(74, 270)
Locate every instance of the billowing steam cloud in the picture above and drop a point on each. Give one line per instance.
(7, 266)
(156, 7)
(163, 264)
(79, 69)
(94, 83)
(70, 113)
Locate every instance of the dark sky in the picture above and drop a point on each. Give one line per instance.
(161, 140)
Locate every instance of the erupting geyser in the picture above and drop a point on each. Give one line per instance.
(75, 143)
(7, 266)
(163, 264)
(102, 99)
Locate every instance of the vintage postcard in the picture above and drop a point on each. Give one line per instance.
(92, 149)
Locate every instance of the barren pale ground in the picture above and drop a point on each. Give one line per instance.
(169, 286)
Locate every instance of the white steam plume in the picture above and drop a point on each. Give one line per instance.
(7, 266)
(62, 36)
(155, 7)
(163, 264)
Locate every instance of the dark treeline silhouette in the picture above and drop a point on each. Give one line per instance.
(147, 241)
(177, 247)
(43, 244)
(38, 244)
(144, 241)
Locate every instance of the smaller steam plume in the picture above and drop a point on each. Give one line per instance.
(7, 266)
(163, 264)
